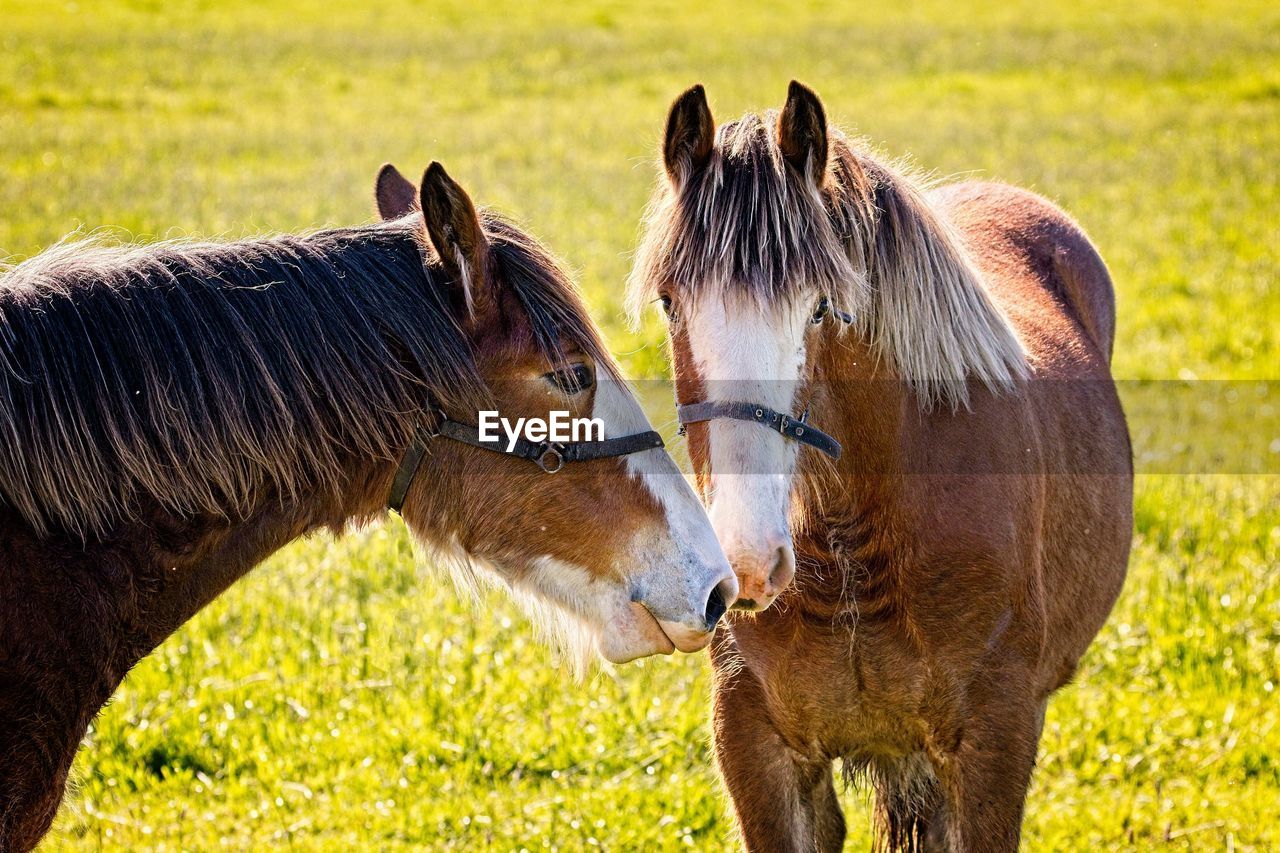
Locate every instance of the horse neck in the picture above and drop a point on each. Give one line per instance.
(850, 509)
(928, 312)
(195, 559)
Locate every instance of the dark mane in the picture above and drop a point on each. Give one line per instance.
(200, 375)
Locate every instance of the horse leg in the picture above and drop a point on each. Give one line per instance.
(828, 816)
(985, 779)
(782, 800)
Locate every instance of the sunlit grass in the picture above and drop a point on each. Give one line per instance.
(340, 698)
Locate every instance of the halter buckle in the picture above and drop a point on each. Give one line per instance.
(799, 422)
(549, 459)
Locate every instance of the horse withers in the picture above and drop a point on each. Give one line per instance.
(172, 414)
(902, 418)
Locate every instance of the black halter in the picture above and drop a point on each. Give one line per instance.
(547, 455)
(796, 429)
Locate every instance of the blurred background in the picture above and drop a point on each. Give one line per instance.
(340, 697)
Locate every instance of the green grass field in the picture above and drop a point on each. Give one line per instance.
(341, 698)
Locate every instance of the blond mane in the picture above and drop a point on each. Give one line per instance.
(867, 238)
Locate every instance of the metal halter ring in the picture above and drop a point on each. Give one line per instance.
(550, 451)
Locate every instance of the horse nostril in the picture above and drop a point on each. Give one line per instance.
(779, 564)
(715, 608)
(784, 569)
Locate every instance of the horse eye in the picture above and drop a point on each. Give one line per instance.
(572, 380)
(666, 303)
(823, 309)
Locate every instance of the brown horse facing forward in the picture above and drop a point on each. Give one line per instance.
(954, 562)
(171, 415)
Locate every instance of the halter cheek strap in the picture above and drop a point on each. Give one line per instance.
(547, 455)
(795, 429)
(552, 456)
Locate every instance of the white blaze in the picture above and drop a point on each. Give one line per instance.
(677, 570)
(746, 352)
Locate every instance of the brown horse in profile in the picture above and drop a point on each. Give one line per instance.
(953, 562)
(170, 415)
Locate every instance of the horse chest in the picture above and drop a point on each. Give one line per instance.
(835, 691)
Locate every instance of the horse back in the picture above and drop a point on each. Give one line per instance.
(1006, 228)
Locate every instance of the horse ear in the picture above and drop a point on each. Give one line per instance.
(395, 194)
(454, 229)
(802, 132)
(690, 136)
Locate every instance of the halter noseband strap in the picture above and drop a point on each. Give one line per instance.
(550, 456)
(795, 429)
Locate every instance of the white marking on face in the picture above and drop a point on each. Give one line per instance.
(674, 570)
(748, 352)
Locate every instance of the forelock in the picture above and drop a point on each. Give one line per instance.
(746, 223)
